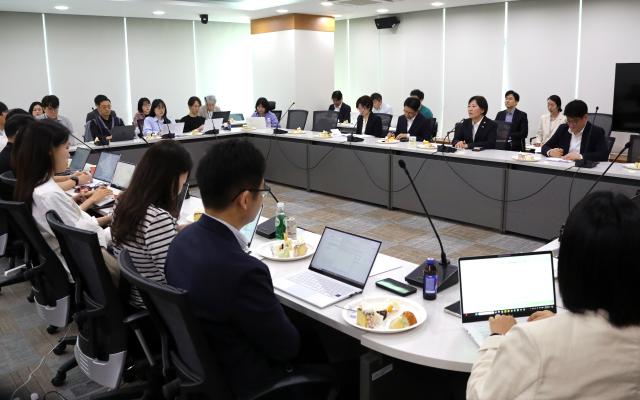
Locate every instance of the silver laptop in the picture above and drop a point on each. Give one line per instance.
(515, 284)
(79, 160)
(257, 122)
(339, 269)
(121, 179)
(249, 230)
(106, 168)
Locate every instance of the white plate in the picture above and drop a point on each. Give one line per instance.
(384, 141)
(248, 129)
(431, 148)
(265, 251)
(349, 313)
(190, 217)
(630, 166)
(322, 137)
(534, 159)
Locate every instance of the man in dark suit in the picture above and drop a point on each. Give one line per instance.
(413, 123)
(477, 130)
(231, 291)
(519, 129)
(374, 122)
(577, 139)
(343, 109)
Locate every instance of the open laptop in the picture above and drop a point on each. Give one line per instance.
(339, 269)
(221, 114)
(257, 122)
(79, 160)
(516, 284)
(106, 168)
(122, 133)
(121, 179)
(249, 230)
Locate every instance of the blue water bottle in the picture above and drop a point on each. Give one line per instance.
(430, 280)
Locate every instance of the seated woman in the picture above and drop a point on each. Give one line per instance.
(44, 152)
(144, 106)
(550, 122)
(477, 130)
(144, 219)
(368, 123)
(36, 109)
(590, 351)
(156, 118)
(262, 110)
(192, 121)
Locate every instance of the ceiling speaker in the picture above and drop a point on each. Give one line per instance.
(387, 22)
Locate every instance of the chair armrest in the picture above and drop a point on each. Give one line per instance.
(303, 375)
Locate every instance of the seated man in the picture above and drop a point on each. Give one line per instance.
(51, 105)
(577, 139)
(412, 123)
(209, 107)
(424, 110)
(104, 120)
(519, 129)
(378, 106)
(342, 108)
(231, 291)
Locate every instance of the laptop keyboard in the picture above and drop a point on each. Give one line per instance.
(321, 284)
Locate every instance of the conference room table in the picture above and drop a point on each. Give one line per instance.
(440, 342)
(490, 188)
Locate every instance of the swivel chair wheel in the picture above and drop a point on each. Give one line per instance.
(59, 379)
(51, 329)
(59, 349)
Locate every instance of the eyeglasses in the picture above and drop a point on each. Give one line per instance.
(264, 191)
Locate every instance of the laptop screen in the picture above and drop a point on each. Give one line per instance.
(79, 159)
(517, 285)
(345, 257)
(106, 166)
(250, 229)
(123, 174)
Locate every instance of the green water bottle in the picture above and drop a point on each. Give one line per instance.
(281, 222)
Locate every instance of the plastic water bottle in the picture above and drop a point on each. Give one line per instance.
(281, 222)
(430, 280)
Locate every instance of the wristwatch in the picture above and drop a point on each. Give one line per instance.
(75, 179)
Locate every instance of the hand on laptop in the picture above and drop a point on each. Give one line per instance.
(100, 193)
(538, 315)
(501, 324)
(83, 177)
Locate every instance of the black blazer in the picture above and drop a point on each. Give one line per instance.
(597, 151)
(345, 112)
(374, 126)
(232, 296)
(419, 127)
(485, 136)
(519, 129)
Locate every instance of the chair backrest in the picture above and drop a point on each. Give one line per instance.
(48, 277)
(386, 122)
(502, 135)
(604, 121)
(324, 120)
(610, 142)
(183, 340)
(297, 119)
(272, 105)
(278, 114)
(432, 127)
(634, 149)
(7, 185)
(102, 333)
(140, 124)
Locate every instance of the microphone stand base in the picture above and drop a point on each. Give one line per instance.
(354, 139)
(586, 164)
(278, 131)
(447, 276)
(446, 149)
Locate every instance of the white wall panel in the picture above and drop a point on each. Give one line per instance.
(314, 73)
(474, 54)
(23, 69)
(364, 56)
(542, 47)
(161, 62)
(86, 58)
(341, 63)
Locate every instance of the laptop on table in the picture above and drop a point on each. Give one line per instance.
(121, 179)
(515, 284)
(339, 269)
(122, 133)
(79, 160)
(106, 168)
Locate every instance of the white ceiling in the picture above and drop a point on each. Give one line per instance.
(225, 10)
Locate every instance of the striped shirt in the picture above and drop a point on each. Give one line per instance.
(149, 250)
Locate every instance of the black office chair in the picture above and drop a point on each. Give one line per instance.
(278, 114)
(604, 121)
(432, 128)
(11, 244)
(502, 135)
(297, 119)
(101, 347)
(186, 351)
(386, 123)
(324, 120)
(610, 142)
(272, 105)
(140, 124)
(634, 149)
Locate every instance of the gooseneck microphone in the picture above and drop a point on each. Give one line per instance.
(278, 131)
(446, 149)
(80, 141)
(447, 272)
(141, 136)
(626, 146)
(267, 229)
(588, 163)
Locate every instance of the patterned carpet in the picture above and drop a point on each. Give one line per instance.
(23, 339)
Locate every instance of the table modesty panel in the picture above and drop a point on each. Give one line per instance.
(286, 160)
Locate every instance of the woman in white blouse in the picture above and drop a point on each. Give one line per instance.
(43, 152)
(156, 118)
(551, 121)
(592, 351)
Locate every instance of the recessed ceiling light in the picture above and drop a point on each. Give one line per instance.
(337, 16)
(158, 12)
(437, 4)
(382, 10)
(282, 11)
(61, 8)
(327, 3)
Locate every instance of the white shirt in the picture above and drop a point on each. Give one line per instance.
(475, 128)
(576, 140)
(568, 356)
(384, 109)
(49, 196)
(3, 139)
(409, 123)
(548, 127)
(364, 124)
(239, 237)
